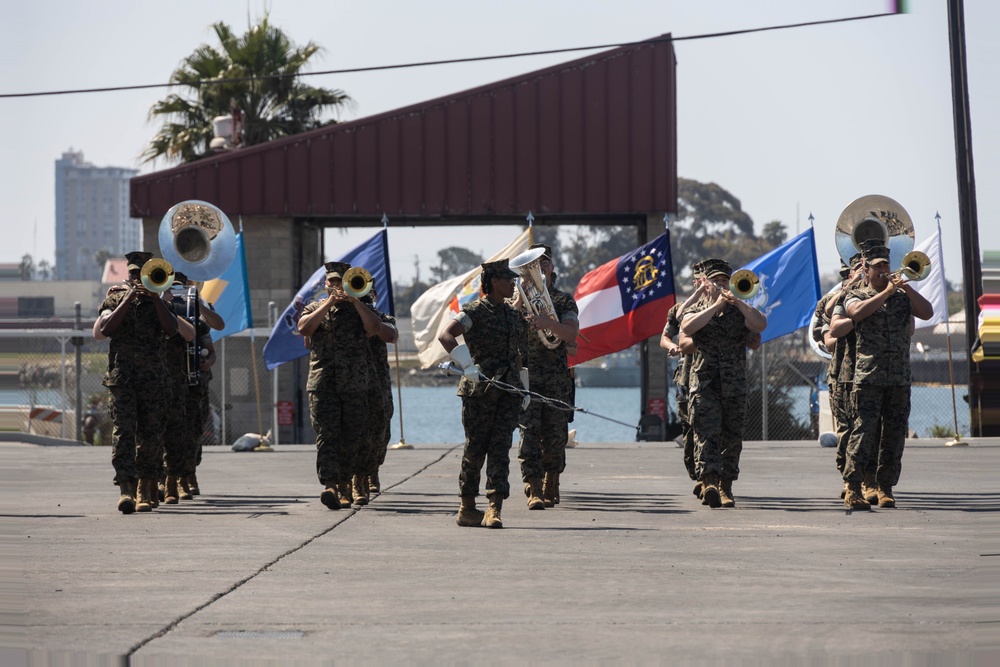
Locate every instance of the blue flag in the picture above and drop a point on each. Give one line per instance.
(285, 343)
(789, 285)
(230, 295)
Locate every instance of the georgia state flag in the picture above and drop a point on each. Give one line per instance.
(624, 301)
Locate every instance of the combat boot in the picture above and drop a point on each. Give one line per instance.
(344, 494)
(555, 487)
(468, 515)
(374, 485)
(126, 502)
(154, 496)
(161, 489)
(533, 489)
(549, 489)
(885, 497)
(843, 490)
(726, 493)
(697, 489)
(185, 488)
(869, 488)
(710, 490)
(144, 494)
(193, 483)
(492, 516)
(855, 499)
(170, 495)
(359, 489)
(329, 497)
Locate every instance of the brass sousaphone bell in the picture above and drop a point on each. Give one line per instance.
(883, 218)
(198, 239)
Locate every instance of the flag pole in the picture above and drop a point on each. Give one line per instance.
(947, 327)
(402, 444)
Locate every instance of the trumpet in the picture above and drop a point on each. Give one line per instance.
(357, 282)
(157, 275)
(916, 266)
(744, 284)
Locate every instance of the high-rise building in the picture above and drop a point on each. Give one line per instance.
(91, 215)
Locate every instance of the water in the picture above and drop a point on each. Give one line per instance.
(434, 415)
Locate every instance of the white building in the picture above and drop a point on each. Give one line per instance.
(92, 206)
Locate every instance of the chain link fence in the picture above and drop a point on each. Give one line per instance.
(40, 387)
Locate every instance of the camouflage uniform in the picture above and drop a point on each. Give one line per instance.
(672, 329)
(196, 405)
(174, 408)
(379, 404)
(338, 384)
(842, 377)
(136, 379)
(495, 335)
(543, 433)
(718, 391)
(881, 398)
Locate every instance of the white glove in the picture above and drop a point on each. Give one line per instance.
(461, 356)
(524, 381)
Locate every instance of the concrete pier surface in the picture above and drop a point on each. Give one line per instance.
(629, 567)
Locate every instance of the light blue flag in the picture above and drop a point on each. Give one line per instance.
(789, 285)
(233, 300)
(285, 343)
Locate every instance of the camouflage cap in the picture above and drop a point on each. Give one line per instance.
(845, 270)
(137, 258)
(874, 252)
(855, 261)
(698, 269)
(548, 250)
(337, 269)
(717, 267)
(499, 269)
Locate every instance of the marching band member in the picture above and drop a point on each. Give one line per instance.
(542, 450)
(339, 377)
(882, 311)
(494, 336)
(720, 327)
(380, 406)
(138, 324)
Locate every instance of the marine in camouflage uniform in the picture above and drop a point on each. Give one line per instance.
(837, 335)
(175, 408)
(380, 405)
(339, 379)
(670, 341)
(720, 326)
(542, 450)
(882, 312)
(495, 341)
(138, 324)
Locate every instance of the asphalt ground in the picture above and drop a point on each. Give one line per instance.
(629, 568)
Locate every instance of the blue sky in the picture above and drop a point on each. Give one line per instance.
(791, 122)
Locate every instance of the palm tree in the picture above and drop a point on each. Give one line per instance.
(270, 107)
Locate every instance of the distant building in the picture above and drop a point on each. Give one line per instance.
(92, 214)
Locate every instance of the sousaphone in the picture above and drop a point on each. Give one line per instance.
(197, 239)
(874, 217)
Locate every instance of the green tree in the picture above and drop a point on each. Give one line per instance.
(774, 233)
(27, 267)
(101, 257)
(45, 270)
(454, 261)
(270, 107)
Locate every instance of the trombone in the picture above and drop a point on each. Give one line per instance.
(157, 275)
(357, 282)
(744, 284)
(916, 266)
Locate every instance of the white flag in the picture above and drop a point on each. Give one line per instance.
(432, 312)
(934, 288)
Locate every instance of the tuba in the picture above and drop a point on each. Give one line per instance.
(357, 282)
(535, 297)
(197, 239)
(874, 217)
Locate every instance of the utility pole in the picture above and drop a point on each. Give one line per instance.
(984, 378)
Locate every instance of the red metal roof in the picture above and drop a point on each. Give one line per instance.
(591, 137)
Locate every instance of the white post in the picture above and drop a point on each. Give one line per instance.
(763, 391)
(62, 390)
(222, 436)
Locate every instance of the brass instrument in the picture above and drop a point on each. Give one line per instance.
(197, 239)
(157, 275)
(534, 294)
(357, 282)
(744, 284)
(874, 217)
(916, 266)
